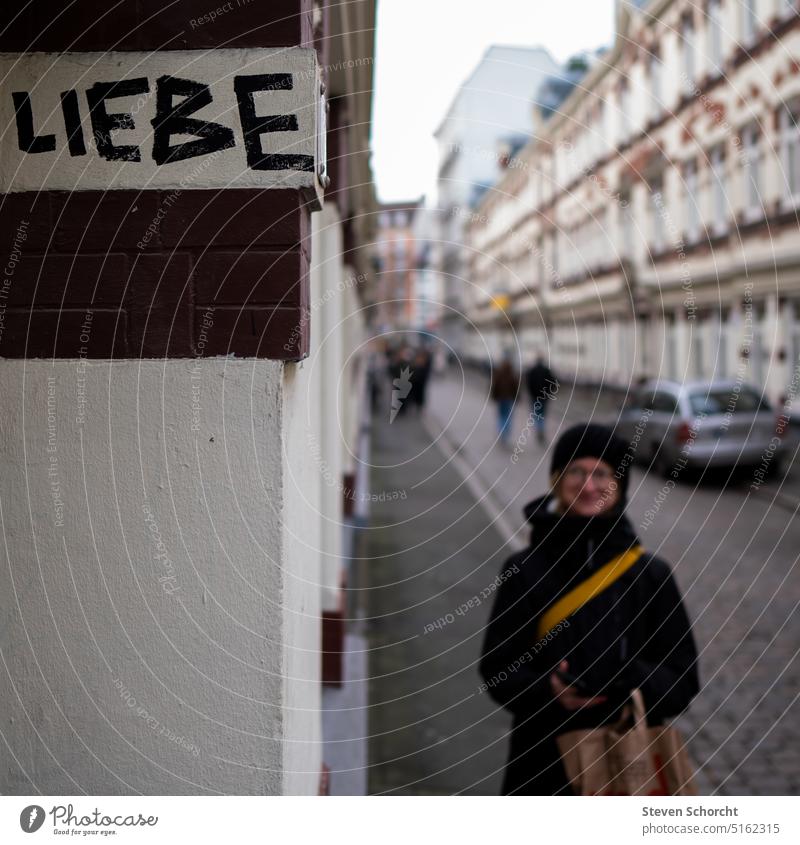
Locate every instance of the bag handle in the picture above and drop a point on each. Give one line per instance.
(633, 712)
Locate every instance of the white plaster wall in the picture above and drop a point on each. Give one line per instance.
(303, 545)
(352, 385)
(328, 278)
(162, 637)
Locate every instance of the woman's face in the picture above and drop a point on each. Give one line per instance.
(587, 487)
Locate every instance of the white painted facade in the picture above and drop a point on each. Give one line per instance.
(163, 579)
(493, 106)
(649, 232)
(170, 540)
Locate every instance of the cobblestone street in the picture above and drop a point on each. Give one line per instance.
(734, 555)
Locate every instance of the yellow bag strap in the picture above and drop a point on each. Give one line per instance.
(587, 590)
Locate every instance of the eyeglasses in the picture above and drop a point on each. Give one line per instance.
(600, 476)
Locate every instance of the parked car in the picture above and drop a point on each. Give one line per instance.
(702, 424)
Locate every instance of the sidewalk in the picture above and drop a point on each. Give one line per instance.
(429, 550)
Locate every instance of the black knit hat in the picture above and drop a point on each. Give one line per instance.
(590, 440)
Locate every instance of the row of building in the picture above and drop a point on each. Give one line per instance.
(647, 226)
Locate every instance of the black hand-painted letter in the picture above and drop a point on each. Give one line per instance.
(103, 123)
(28, 142)
(253, 127)
(72, 122)
(173, 120)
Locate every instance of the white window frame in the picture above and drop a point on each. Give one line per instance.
(789, 128)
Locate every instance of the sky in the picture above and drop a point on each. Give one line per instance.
(425, 49)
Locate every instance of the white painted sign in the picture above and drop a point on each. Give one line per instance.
(182, 119)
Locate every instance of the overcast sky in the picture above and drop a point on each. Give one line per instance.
(427, 48)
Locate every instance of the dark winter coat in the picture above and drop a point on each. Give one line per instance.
(505, 383)
(541, 382)
(634, 634)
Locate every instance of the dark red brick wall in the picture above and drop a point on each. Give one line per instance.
(150, 266)
(86, 25)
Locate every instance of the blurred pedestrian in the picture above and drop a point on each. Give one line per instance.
(422, 372)
(504, 392)
(401, 375)
(584, 617)
(542, 386)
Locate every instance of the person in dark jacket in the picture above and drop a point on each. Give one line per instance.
(542, 386)
(635, 633)
(422, 372)
(504, 391)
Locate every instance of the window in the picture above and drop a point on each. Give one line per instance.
(794, 335)
(751, 172)
(671, 346)
(597, 129)
(749, 21)
(656, 93)
(625, 224)
(691, 210)
(554, 257)
(757, 348)
(719, 196)
(538, 264)
(715, 35)
(687, 31)
(664, 403)
(790, 148)
(721, 363)
(624, 110)
(698, 351)
(657, 222)
(717, 401)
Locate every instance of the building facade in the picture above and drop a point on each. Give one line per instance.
(491, 114)
(394, 262)
(185, 200)
(651, 230)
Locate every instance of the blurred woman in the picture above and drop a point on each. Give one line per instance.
(586, 617)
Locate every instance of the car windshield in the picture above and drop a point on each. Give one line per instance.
(724, 401)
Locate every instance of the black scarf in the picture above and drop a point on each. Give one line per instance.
(578, 543)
